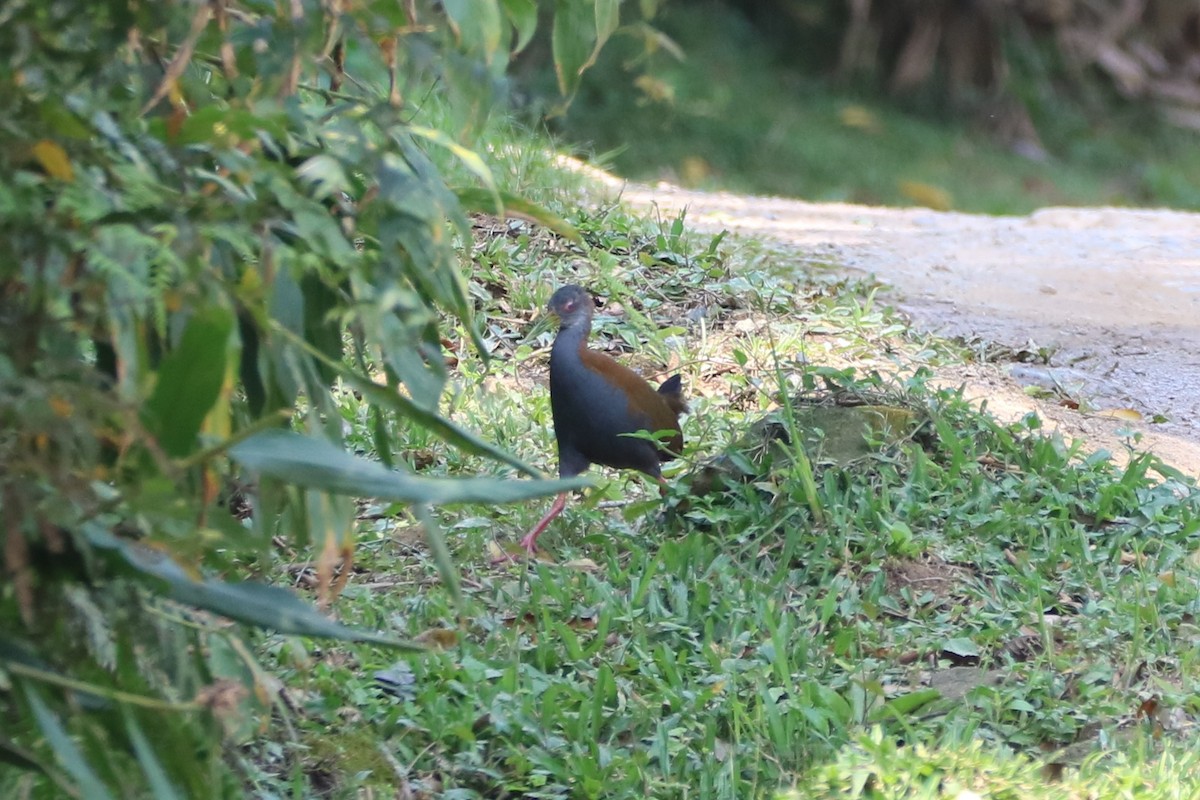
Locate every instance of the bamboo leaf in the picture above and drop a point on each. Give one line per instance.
(19, 757)
(189, 381)
(571, 41)
(523, 16)
(384, 397)
(156, 776)
(469, 158)
(65, 749)
(473, 199)
(608, 17)
(436, 540)
(256, 604)
(477, 25)
(319, 464)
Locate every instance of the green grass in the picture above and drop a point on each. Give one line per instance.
(781, 635)
(735, 117)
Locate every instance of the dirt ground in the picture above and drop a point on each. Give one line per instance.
(1114, 293)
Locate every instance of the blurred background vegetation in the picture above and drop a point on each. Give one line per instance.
(999, 106)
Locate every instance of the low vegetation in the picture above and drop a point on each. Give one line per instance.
(958, 606)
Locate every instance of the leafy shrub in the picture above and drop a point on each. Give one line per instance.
(205, 203)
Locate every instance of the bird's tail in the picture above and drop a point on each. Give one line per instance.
(672, 390)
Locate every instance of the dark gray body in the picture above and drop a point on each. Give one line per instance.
(591, 414)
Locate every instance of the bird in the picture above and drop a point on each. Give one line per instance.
(596, 402)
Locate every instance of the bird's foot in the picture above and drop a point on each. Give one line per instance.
(511, 555)
(530, 544)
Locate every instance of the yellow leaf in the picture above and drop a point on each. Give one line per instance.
(924, 194)
(172, 300)
(510, 553)
(583, 565)
(1126, 414)
(251, 281)
(61, 406)
(54, 160)
(438, 638)
(859, 118)
(655, 89)
(693, 170)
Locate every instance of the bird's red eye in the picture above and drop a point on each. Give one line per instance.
(569, 306)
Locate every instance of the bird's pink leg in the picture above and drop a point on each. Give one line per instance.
(530, 540)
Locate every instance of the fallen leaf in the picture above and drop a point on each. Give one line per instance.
(583, 565)
(694, 170)
(656, 90)
(924, 194)
(1125, 414)
(439, 638)
(221, 697)
(513, 552)
(582, 623)
(961, 648)
(61, 406)
(859, 118)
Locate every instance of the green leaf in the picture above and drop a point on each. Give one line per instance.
(523, 15)
(905, 704)
(324, 175)
(469, 158)
(61, 120)
(422, 376)
(961, 647)
(17, 652)
(477, 25)
(217, 122)
(256, 604)
(18, 757)
(384, 397)
(608, 17)
(474, 199)
(189, 381)
(321, 327)
(436, 540)
(65, 749)
(319, 464)
(160, 785)
(571, 41)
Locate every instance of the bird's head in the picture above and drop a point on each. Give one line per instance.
(572, 305)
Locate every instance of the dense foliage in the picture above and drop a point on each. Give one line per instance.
(204, 204)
